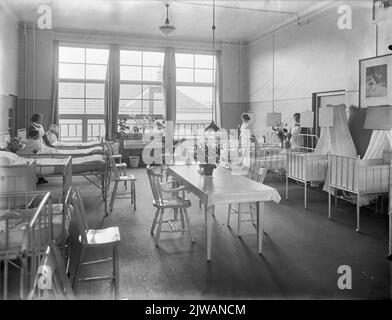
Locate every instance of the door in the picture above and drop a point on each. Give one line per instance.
(322, 99)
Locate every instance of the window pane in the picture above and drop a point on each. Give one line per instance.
(129, 107)
(152, 73)
(130, 91)
(95, 90)
(69, 54)
(95, 106)
(95, 72)
(153, 59)
(194, 97)
(184, 60)
(71, 106)
(131, 57)
(204, 61)
(202, 75)
(99, 56)
(71, 90)
(194, 104)
(184, 75)
(95, 128)
(130, 73)
(152, 92)
(70, 129)
(71, 71)
(153, 106)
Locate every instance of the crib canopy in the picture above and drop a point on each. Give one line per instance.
(380, 142)
(337, 139)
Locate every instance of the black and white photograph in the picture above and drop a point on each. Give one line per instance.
(192, 157)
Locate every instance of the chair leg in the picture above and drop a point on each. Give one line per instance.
(358, 213)
(113, 198)
(154, 223)
(228, 215)
(75, 281)
(134, 195)
(188, 225)
(239, 219)
(115, 272)
(182, 218)
(159, 227)
(252, 216)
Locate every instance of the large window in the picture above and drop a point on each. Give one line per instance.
(82, 73)
(141, 76)
(195, 85)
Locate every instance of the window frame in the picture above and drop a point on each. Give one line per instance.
(141, 82)
(85, 117)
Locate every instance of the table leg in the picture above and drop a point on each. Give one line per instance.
(208, 221)
(260, 229)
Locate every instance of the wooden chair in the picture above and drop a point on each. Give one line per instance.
(51, 281)
(131, 193)
(108, 237)
(256, 174)
(173, 201)
(114, 149)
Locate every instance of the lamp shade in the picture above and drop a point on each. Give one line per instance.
(307, 119)
(378, 118)
(326, 117)
(274, 119)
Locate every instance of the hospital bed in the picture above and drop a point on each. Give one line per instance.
(27, 224)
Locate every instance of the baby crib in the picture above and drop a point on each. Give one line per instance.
(359, 177)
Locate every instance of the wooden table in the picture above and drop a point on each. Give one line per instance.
(223, 188)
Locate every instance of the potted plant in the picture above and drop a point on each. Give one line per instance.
(123, 127)
(210, 161)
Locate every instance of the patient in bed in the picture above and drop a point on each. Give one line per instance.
(33, 145)
(51, 135)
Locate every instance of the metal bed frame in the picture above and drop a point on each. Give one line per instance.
(102, 175)
(306, 167)
(38, 229)
(345, 173)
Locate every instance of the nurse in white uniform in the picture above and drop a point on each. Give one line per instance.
(246, 132)
(295, 130)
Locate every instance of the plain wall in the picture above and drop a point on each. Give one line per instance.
(8, 63)
(314, 57)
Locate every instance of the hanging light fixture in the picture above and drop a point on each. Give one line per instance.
(212, 126)
(167, 28)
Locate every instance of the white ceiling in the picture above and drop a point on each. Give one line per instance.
(235, 20)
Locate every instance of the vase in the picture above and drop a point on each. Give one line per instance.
(208, 168)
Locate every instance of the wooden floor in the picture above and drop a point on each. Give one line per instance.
(302, 251)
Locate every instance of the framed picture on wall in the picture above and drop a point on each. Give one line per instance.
(382, 9)
(375, 81)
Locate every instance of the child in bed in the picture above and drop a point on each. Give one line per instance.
(33, 145)
(51, 135)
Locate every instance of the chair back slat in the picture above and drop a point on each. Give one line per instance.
(155, 180)
(112, 163)
(80, 212)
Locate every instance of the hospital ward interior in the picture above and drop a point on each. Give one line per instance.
(192, 149)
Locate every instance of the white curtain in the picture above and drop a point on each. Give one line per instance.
(380, 142)
(169, 85)
(218, 89)
(337, 139)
